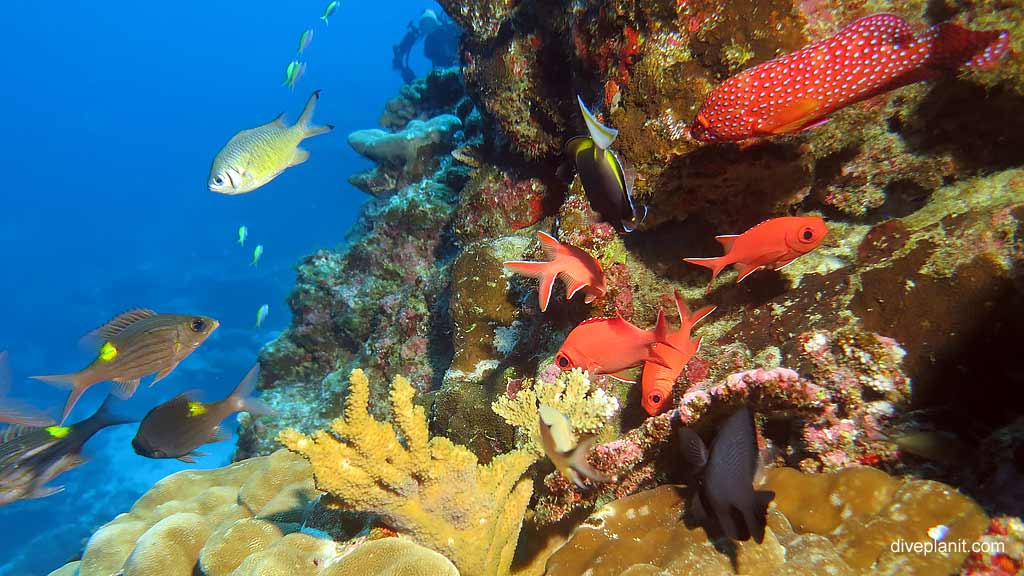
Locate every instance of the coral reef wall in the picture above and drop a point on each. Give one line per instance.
(903, 322)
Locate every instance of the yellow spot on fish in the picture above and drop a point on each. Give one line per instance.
(108, 352)
(196, 409)
(58, 432)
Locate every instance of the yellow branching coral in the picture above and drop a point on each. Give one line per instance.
(571, 393)
(429, 489)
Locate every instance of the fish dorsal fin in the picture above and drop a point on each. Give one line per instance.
(120, 322)
(792, 117)
(727, 240)
(278, 121)
(661, 327)
(602, 135)
(13, 431)
(552, 247)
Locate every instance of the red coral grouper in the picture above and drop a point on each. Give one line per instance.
(774, 243)
(871, 56)
(670, 353)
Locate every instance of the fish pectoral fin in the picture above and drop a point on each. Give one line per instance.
(783, 263)
(189, 458)
(44, 491)
(298, 157)
(623, 376)
(125, 388)
(163, 373)
(795, 116)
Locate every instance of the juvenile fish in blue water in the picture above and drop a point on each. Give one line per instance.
(261, 314)
(136, 343)
(724, 478)
(607, 181)
(330, 10)
(177, 427)
(12, 411)
(292, 74)
(257, 253)
(561, 448)
(256, 156)
(304, 40)
(243, 233)
(31, 457)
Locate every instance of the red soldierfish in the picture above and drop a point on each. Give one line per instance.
(577, 269)
(870, 56)
(670, 354)
(606, 346)
(773, 243)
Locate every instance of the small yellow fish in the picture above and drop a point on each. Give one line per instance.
(256, 156)
(305, 39)
(261, 314)
(256, 255)
(243, 233)
(569, 457)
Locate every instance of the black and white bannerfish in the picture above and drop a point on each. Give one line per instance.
(724, 479)
(606, 179)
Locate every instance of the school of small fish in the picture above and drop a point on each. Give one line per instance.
(798, 91)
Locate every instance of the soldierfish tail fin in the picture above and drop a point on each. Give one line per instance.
(602, 135)
(687, 320)
(305, 121)
(714, 264)
(241, 399)
(77, 384)
(953, 46)
(541, 270)
(578, 461)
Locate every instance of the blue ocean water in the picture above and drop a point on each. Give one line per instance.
(114, 111)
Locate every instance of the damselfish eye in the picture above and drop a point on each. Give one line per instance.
(563, 362)
(806, 234)
(198, 325)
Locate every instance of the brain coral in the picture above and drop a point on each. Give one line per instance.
(842, 524)
(242, 520)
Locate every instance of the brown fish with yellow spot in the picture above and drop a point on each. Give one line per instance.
(136, 343)
(177, 427)
(31, 457)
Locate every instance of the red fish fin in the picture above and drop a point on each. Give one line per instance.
(659, 355)
(125, 388)
(572, 285)
(661, 327)
(783, 263)
(242, 399)
(536, 270)
(623, 376)
(815, 124)
(686, 321)
(793, 117)
(745, 270)
(727, 240)
(714, 264)
(552, 247)
(953, 47)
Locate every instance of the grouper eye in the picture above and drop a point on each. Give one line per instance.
(198, 325)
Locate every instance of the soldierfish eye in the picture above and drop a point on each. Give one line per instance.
(807, 234)
(563, 362)
(655, 399)
(198, 325)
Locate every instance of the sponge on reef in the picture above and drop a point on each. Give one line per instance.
(428, 489)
